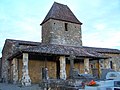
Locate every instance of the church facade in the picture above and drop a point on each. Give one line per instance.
(22, 61)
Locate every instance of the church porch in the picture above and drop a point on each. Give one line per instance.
(58, 66)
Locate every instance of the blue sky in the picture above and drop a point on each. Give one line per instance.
(20, 19)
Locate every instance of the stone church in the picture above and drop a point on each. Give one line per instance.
(22, 61)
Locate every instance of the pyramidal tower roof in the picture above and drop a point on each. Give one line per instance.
(61, 12)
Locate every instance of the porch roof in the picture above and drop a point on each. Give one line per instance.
(63, 50)
(102, 50)
(21, 46)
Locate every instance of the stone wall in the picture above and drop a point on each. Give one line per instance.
(14, 70)
(105, 63)
(115, 58)
(46, 35)
(7, 51)
(53, 31)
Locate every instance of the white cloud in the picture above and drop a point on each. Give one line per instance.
(108, 38)
(100, 26)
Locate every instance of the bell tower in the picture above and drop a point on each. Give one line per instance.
(60, 26)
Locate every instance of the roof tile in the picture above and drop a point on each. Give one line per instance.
(37, 47)
(61, 12)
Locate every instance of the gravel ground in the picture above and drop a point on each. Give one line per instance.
(4, 86)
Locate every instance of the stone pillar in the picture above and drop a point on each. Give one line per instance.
(86, 65)
(107, 63)
(114, 66)
(14, 71)
(26, 81)
(72, 68)
(62, 67)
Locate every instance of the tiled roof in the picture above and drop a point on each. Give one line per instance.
(102, 50)
(90, 49)
(22, 42)
(13, 46)
(37, 47)
(61, 12)
(63, 50)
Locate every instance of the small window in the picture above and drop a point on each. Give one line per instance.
(66, 27)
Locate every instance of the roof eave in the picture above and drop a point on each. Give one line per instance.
(61, 20)
(85, 56)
